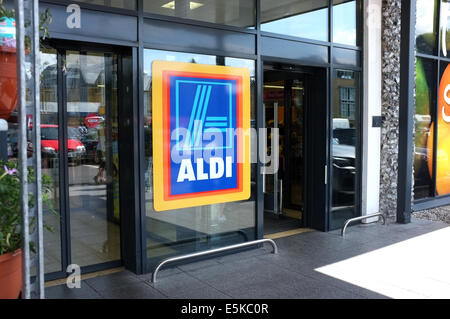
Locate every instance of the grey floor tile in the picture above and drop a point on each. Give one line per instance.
(116, 280)
(243, 255)
(257, 291)
(246, 273)
(200, 293)
(308, 288)
(137, 290)
(177, 283)
(226, 271)
(307, 268)
(199, 264)
(258, 273)
(63, 292)
(339, 284)
(163, 273)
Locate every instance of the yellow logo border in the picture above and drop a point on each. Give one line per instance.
(158, 67)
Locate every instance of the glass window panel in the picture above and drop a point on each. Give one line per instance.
(426, 22)
(344, 21)
(305, 19)
(193, 229)
(93, 157)
(238, 13)
(423, 139)
(122, 4)
(50, 158)
(445, 27)
(345, 150)
(442, 128)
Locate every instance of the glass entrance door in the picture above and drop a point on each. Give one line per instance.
(284, 104)
(92, 157)
(79, 134)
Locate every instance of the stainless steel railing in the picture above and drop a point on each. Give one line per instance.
(349, 221)
(214, 251)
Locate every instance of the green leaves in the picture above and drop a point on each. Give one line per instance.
(10, 211)
(45, 19)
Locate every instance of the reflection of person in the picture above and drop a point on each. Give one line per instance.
(100, 178)
(217, 214)
(148, 155)
(82, 129)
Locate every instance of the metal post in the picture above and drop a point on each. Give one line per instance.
(214, 251)
(280, 210)
(406, 119)
(28, 262)
(39, 289)
(352, 220)
(275, 155)
(20, 51)
(3, 140)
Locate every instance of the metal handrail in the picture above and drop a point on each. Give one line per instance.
(213, 251)
(349, 221)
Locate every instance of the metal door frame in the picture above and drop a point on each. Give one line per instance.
(61, 48)
(304, 74)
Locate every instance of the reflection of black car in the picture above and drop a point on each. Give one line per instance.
(344, 167)
(345, 136)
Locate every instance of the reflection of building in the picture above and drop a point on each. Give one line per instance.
(345, 96)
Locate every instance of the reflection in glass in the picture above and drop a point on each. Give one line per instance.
(122, 4)
(424, 115)
(305, 19)
(50, 159)
(238, 13)
(283, 110)
(295, 157)
(193, 229)
(441, 125)
(426, 26)
(92, 154)
(274, 104)
(344, 142)
(344, 21)
(445, 28)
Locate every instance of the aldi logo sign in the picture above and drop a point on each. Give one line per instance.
(201, 134)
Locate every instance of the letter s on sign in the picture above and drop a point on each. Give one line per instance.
(74, 19)
(446, 117)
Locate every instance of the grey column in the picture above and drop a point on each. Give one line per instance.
(406, 114)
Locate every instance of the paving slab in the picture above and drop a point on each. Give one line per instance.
(309, 265)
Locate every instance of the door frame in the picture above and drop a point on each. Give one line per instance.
(285, 193)
(61, 47)
(316, 205)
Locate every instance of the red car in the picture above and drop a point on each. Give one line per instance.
(50, 145)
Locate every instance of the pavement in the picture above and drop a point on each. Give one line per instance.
(373, 261)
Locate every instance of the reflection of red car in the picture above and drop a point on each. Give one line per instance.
(50, 145)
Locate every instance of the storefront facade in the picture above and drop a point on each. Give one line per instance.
(97, 102)
(431, 105)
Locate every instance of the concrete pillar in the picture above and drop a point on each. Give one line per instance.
(371, 108)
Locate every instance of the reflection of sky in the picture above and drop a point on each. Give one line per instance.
(424, 16)
(311, 25)
(154, 55)
(314, 24)
(344, 23)
(47, 59)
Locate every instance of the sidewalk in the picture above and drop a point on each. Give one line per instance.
(373, 261)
